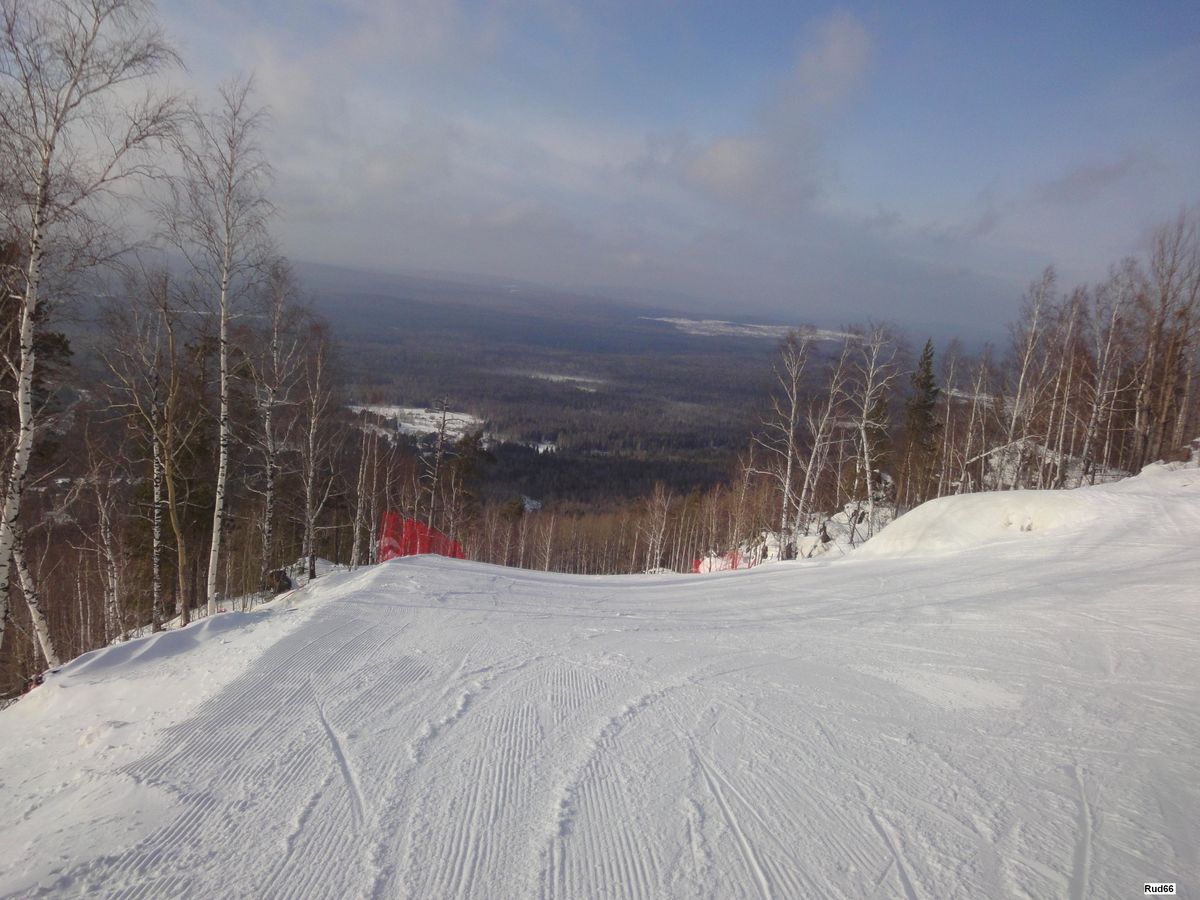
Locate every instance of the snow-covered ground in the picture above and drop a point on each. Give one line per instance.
(721, 328)
(998, 697)
(414, 420)
(583, 382)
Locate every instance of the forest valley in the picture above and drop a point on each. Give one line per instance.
(213, 441)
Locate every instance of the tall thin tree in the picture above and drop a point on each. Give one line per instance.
(217, 217)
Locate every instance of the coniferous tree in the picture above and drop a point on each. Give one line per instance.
(922, 427)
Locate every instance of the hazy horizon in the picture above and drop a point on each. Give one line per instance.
(826, 162)
(330, 278)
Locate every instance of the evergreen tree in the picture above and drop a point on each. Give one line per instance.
(923, 429)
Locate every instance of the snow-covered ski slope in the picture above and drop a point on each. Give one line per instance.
(1000, 698)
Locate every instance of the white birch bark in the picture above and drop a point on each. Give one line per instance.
(156, 529)
(821, 420)
(779, 434)
(37, 615)
(317, 443)
(224, 438)
(360, 501)
(19, 467)
(1027, 350)
(874, 373)
(217, 218)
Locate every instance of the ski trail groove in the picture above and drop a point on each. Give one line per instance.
(343, 763)
(1081, 864)
(754, 865)
(885, 834)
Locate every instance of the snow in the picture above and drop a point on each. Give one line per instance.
(414, 420)
(583, 382)
(977, 520)
(721, 328)
(961, 708)
(1017, 458)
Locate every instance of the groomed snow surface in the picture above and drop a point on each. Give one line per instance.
(998, 697)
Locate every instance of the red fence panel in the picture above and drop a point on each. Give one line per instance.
(408, 537)
(734, 559)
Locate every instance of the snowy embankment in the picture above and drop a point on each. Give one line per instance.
(998, 697)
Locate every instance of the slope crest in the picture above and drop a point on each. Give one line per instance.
(950, 524)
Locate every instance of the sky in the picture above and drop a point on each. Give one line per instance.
(916, 162)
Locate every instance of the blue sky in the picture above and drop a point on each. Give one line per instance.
(916, 162)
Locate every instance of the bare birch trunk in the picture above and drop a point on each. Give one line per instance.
(41, 627)
(225, 436)
(268, 520)
(156, 529)
(360, 504)
(23, 451)
(1037, 300)
(964, 476)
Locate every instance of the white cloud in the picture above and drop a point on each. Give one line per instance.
(835, 65)
(734, 167)
(780, 165)
(390, 155)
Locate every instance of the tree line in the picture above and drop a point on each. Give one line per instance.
(1095, 383)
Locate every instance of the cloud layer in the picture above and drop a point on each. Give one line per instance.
(804, 170)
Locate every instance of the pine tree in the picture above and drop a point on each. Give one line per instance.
(922, 427)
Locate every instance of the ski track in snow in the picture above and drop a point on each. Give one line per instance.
(1007, 720)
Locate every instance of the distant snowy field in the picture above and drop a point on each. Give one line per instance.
(721, 328)
(414, 420)
(997, 697)
(583, 382)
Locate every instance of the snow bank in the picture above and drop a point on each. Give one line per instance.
(160, 646)
(950, 524)
(64, 746)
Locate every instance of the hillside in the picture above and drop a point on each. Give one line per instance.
(999, 696)
(587, 371)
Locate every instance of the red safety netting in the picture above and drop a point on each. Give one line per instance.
(408, 537)
(724, 562)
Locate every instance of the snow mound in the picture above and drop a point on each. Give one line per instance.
(949, 524)
(162, 645)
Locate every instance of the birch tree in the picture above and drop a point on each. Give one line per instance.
(143, 356)
(431, 463)
(820, 420)
(949, 422)
(1028, 343)
(275, 370)
(980, 403)
(1110, 308)
(658, 509)
(1169, 310)
(316, 439)
(1062, 414)
(217, 218)
(778, 436)
(872, 372)
(367, 458)
(70, 137)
